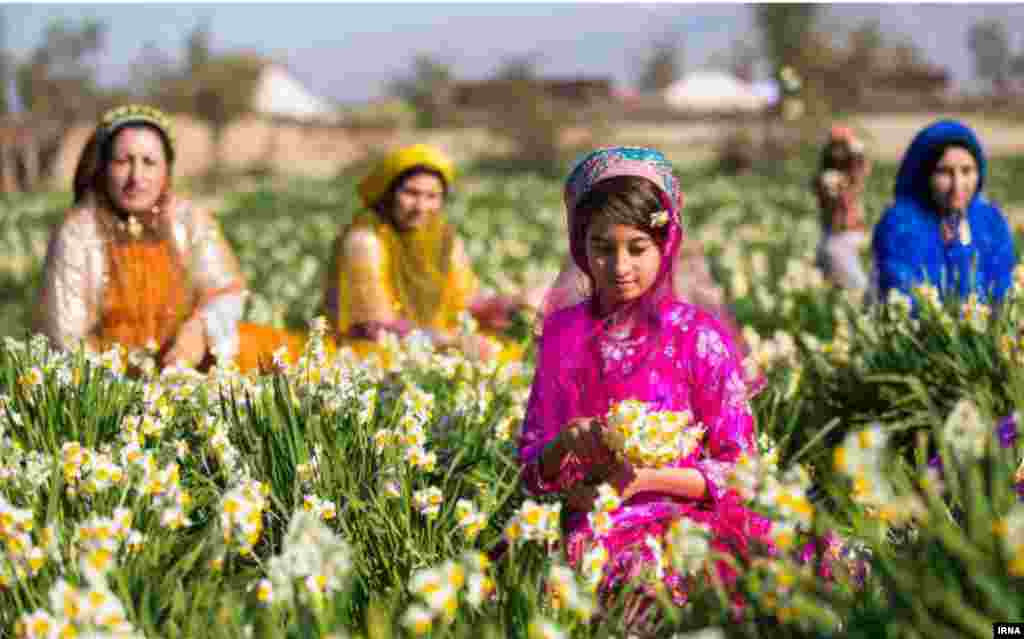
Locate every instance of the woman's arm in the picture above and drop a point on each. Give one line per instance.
(546, 466)
(69, 310)
(365, 295)
(896, 254)
(681, 482)
(720, 403)
(1002, 256)
(687, 483)
(217, 275)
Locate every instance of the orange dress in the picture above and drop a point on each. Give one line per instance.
(103, 284)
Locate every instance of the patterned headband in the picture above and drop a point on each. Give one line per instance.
(115, 118)
(617, 161)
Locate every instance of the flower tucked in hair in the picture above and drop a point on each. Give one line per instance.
(659, 218)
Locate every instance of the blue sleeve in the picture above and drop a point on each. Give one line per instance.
(1001, 256)
(897, 254)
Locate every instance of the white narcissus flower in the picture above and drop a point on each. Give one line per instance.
(428, 501)
(541, 628)
(265, 591)
(965, 431)
(418, 619)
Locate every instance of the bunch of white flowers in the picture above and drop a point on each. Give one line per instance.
(241, 516)
(78, 612)
(650, 439)
(312, 553)
(535, 522)
(438, 590)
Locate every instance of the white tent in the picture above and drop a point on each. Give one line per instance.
(713, 91)
(279, 94)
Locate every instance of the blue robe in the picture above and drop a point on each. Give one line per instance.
(908, 245)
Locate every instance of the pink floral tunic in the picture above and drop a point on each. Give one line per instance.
(691, 363)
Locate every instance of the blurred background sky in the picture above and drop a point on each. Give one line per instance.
(350, 52)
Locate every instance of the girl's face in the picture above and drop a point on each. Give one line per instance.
(954, 180)
(137, 174)
(624, 262)
(419, 197)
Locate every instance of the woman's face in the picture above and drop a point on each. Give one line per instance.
(419, 197)
(624, 262)
(954, 180)
(137, 174)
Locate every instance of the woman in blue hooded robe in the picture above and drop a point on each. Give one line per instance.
(940, 229)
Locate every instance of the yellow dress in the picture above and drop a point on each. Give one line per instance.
(421, 276)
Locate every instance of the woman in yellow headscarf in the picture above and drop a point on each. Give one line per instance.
(136, 265)
(400, 266)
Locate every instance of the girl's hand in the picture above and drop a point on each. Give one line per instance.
(495, 313)
(581, 498)
(622, 478)
(584, 438)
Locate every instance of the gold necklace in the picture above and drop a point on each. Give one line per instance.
(132, 226)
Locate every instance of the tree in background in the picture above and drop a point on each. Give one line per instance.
(989, 43)
(864, 44)
(217, 88)
(786, 30)
(743, 60)
(6, 65)
(792, 42)
(56, 86)
(58, 80)
(198, 48)
(528, 117)
(425, 88)
(150, 72)
(519, 68)
(662, 66)
(740, 59)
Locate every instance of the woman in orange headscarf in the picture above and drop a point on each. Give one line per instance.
(839, 186)
(400, 266)
(136, 265)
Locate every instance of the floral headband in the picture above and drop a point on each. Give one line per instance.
(117, 117)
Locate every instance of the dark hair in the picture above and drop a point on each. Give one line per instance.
(935, 154)
(838, 155)
(624, 199)
(388, 198)
(85, 172)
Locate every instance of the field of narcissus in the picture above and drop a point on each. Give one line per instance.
(346, 498)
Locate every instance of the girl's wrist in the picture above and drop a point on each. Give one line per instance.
(627, 481)
(551, 455)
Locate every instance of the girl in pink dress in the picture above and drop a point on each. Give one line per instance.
(618, 330)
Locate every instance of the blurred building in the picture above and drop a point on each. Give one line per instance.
(490, 94)
(279, 94)
(714, 92)
(906, 87)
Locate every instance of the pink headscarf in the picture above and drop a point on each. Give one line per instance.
(575, 283)
(645, 348)
(573, 378)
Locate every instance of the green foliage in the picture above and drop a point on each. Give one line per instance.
(58, 79)
(427, 82)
